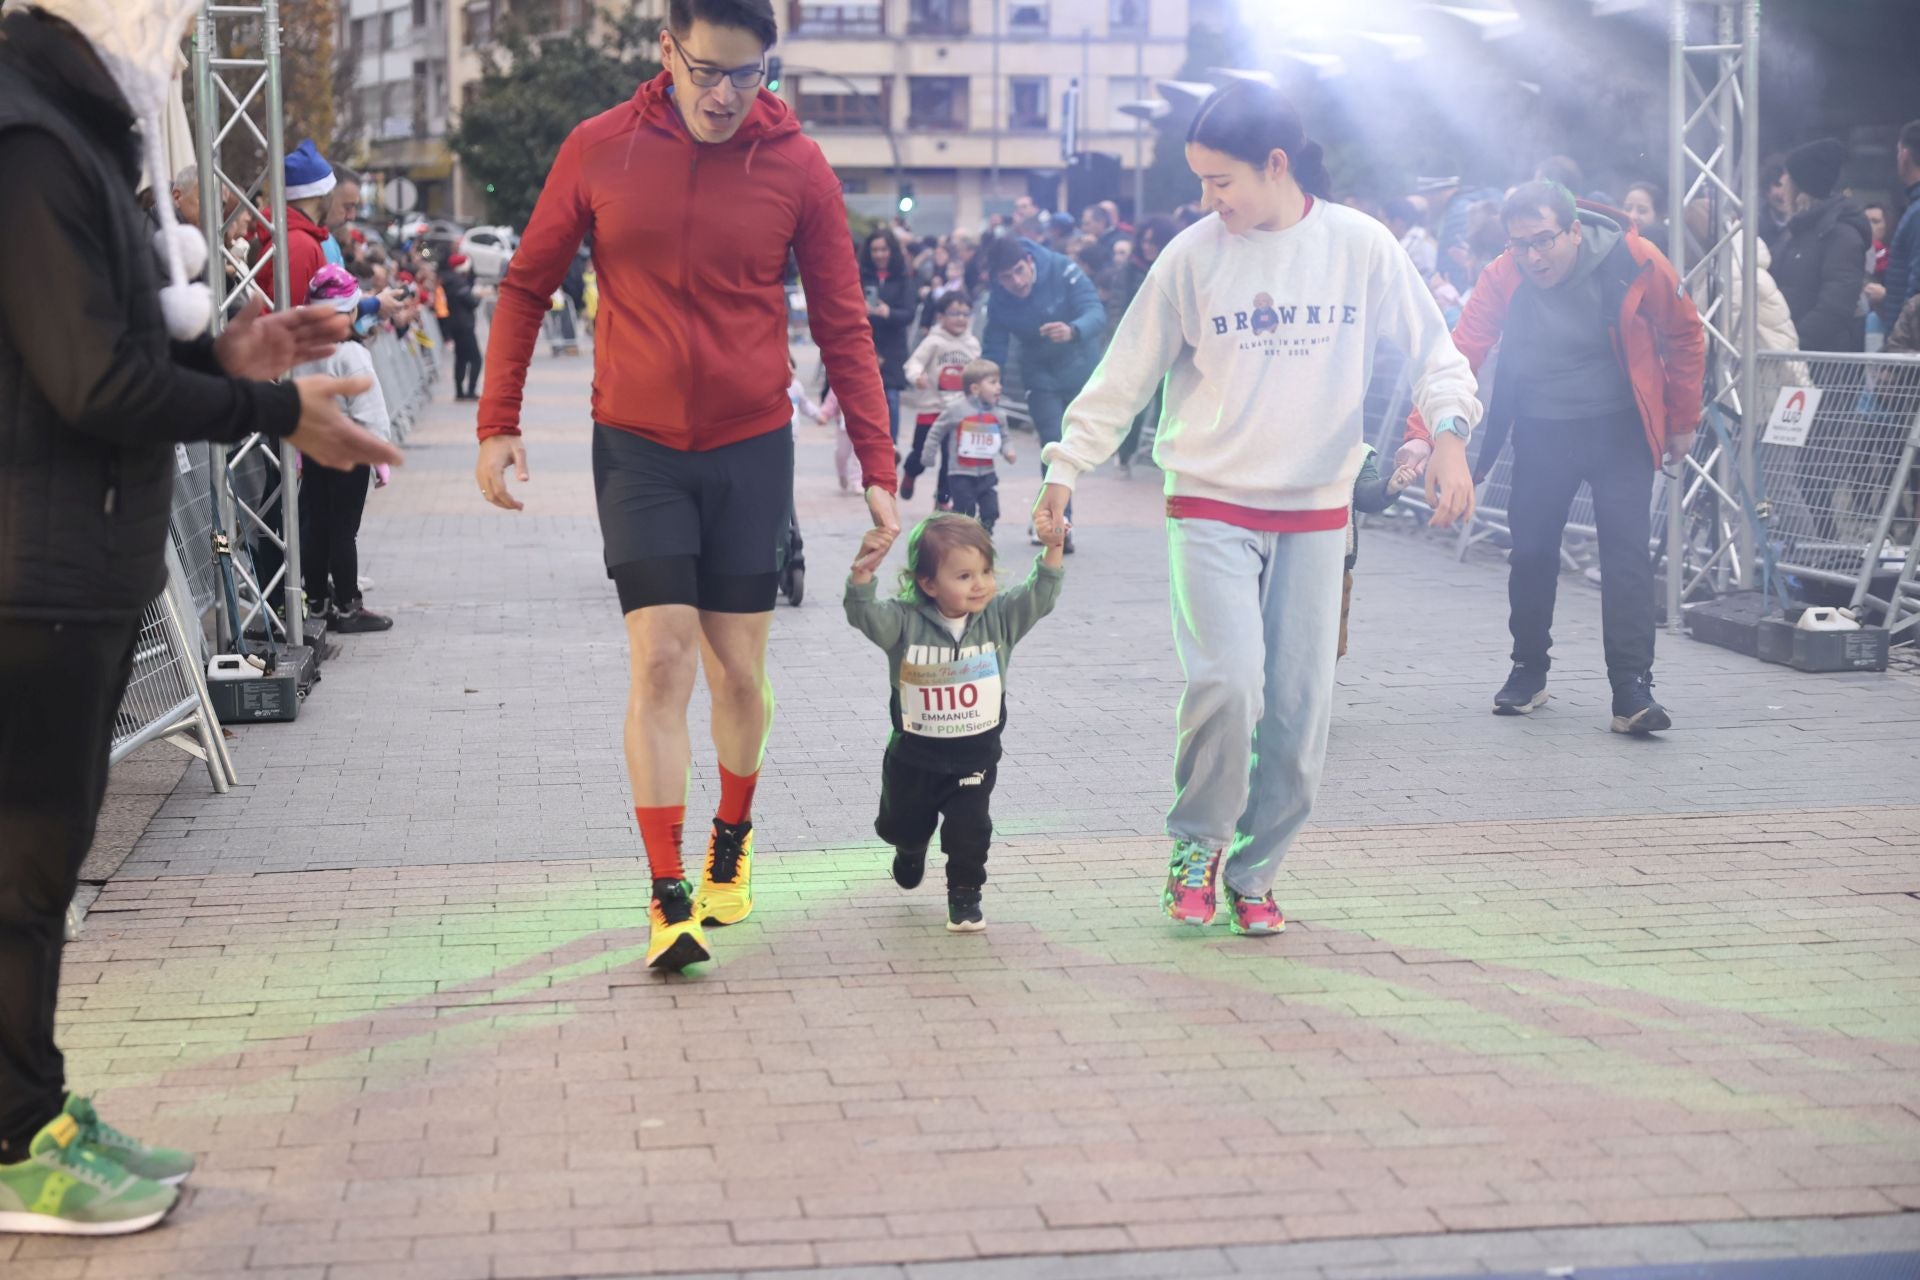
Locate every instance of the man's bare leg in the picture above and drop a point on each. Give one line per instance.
(663, 647)
(734, 646)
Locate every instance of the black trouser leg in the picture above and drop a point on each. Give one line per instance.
(1621, 473)
(316, 495)
(466, 360)
(347, 503)
(967, 831)
(965, 491)
(922, 425)
(1547, 470)
(909, 804)
(60, 686)
(987, 499)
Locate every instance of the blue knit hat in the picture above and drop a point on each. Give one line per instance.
(308, 173)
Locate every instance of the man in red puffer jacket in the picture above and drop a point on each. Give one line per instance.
(695, 193)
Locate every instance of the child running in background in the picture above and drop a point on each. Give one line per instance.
(949, 636)
(1372, 494)
(934, 371)
(979, 436)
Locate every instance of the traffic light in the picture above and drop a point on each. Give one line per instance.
(906, 197)
(773, 74)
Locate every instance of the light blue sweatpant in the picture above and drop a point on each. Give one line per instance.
(1256, 625)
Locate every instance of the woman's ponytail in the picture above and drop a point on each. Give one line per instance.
(1250, 121)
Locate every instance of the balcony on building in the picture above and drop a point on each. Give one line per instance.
(938, 18)
(857, 102)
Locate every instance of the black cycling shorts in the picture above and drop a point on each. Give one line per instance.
(700, 529)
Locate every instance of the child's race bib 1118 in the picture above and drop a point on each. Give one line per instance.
(978, 443)
(950, 699)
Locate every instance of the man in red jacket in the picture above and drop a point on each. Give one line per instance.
(695, 193)
(1602, 357)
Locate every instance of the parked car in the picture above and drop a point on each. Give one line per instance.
(489, 249)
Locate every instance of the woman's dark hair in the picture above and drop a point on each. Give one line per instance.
(896, 262)
(1656, 194)
(1161, 229)
(1250, 121)
(755, 16)
(932, 541)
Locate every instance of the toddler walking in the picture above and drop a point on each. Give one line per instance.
(948, 636)
(979, 436)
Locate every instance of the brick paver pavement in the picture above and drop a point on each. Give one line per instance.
(1550, 995)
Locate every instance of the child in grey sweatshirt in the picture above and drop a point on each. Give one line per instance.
(949, 636)
(979, 436)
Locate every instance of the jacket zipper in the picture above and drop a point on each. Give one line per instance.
(686, 287)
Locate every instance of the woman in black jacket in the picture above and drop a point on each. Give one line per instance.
(1821, 265)
(463, 306)
(888, 282)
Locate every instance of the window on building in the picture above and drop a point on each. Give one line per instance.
(357, 38)
(480, 14)
(1027, 15)
(1029, 94)
(938, 18)
(419, 13)
(420, 88)
(1127, 17)
(386, 31)
(936, 102)
(855, 18)
(858, 102)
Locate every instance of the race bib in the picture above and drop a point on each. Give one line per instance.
(949, 379)
(954, 699)
(978, 443)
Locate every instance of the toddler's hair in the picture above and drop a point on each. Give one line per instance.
(976, 372)
(932, 541)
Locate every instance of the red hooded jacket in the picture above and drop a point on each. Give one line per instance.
(306, 254)
(690, 244)
(1657, 338)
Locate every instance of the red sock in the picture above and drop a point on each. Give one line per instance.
(736, 796)
(660, 833)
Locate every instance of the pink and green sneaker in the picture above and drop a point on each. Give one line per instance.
(1189, 897)
(1255, 915)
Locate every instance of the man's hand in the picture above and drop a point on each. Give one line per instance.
(873, 549)
(491, 470)
(262, 347)
(1412, 456)
(327, 437)
(1680, 448)
(1057, 331)
(1876, 293)
(883, 509)
(1449, 482)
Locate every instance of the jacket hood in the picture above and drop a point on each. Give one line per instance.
(769, 117)
(1599, 236)
(56, 59)
(1832, 211)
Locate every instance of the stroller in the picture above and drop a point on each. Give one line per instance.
(793, 561)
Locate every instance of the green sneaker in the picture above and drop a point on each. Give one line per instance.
(66, 1188)
(156, 1164)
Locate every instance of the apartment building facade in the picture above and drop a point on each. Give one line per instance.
(397, 100)
(969, 100)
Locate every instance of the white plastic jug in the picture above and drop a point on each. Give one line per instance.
(1827, 619)
(234, 666)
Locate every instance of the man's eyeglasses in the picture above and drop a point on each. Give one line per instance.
(709, 77)
(1535, 244)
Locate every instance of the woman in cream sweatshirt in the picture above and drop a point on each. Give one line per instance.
(1262, 319)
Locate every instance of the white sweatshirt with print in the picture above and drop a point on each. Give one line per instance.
(1266, 342)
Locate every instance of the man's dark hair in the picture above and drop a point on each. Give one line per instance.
(1402, 210)
(1874, 204)
(1910, 138)
(342, 174)
(745, 15)
(1540, 197)
(1564, 170)
(1005, 253)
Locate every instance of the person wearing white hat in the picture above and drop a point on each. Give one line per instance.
(102, 371)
